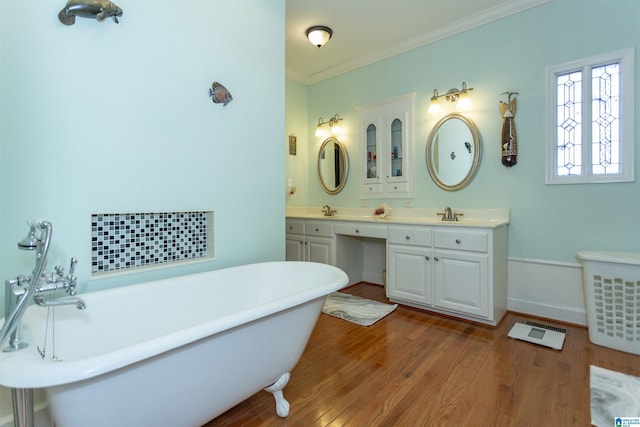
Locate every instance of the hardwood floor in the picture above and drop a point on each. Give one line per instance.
(414, 368)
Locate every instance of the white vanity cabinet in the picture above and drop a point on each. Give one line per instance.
(459, 271)
(409, 265)
(387, 135)
(310, 241)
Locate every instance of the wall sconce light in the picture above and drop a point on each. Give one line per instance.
(319, 35)
(333, 126)
(452, 95)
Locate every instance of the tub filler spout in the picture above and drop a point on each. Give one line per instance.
(42, 301)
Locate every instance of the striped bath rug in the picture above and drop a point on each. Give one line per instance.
(356, 309)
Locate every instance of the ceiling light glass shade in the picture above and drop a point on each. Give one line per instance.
(319, 35)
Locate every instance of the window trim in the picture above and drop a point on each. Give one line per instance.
(627, 117)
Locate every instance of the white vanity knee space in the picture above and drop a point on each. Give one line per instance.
(453, 268)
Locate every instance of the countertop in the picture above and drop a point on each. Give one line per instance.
(486, 218)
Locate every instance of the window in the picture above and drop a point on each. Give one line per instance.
(590, 125)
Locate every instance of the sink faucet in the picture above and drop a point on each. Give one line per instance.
(327, 211)
(449, 215)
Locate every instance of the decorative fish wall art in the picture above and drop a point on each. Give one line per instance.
(509, 136)
(219, 94)
(96, 9)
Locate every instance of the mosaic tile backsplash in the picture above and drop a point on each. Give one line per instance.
(132, 240)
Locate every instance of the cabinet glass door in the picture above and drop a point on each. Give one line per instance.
(372, 151)
(397, 166)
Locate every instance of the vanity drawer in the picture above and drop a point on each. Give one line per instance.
(397, 187)
(371, 188)
(477, 241)
(324, 229)
(362, 230)
(295, 226)
(418, 236)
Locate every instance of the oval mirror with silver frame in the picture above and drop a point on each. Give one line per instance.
(333, 165)
(453, 152)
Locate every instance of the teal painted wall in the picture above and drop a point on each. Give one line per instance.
(547, 222)
(104, 117)
(297, 124)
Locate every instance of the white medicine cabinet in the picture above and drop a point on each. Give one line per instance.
(387, 135)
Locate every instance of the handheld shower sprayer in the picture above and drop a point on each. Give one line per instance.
(30, 242)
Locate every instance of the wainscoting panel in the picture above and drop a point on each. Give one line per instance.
(547, 289)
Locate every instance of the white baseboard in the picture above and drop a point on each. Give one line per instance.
(376, 278)
(546, 289)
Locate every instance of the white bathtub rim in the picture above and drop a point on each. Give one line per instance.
(26, 369)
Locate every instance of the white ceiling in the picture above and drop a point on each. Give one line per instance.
(366, 31)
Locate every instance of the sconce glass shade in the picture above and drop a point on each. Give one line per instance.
(434, 105)
(319, 35)
(320, 132)
(335, 130)
(464, 103)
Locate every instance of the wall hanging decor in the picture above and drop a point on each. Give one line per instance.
(219, 94)
(96, 9)
(509, 136)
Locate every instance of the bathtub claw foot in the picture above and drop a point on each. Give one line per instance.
(282, 406)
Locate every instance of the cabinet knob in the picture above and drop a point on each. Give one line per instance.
(436, 258)
(357, 231)
(407, 237)
(318, 230)
(458, 241)
(427, 258)
(395, 187)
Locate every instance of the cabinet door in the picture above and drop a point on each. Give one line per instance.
(320, 249)
(386, 132)
(294, 247)
(461, 282)
(371, 138)
(396, 169)
(409, 273)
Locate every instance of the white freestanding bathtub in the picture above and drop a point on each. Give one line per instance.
(174, 352)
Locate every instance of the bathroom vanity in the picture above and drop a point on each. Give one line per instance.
(458, 268)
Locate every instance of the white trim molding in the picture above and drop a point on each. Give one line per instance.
(546, 289)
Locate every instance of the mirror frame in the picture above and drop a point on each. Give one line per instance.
(344, 174)
(476, 152)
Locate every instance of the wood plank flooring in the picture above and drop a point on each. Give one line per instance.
(414, 368)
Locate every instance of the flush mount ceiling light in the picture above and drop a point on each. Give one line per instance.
(319, 35)
(452, 95)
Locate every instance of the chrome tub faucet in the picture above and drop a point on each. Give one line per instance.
(18, 291)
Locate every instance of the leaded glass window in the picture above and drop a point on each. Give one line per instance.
(591, 136)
